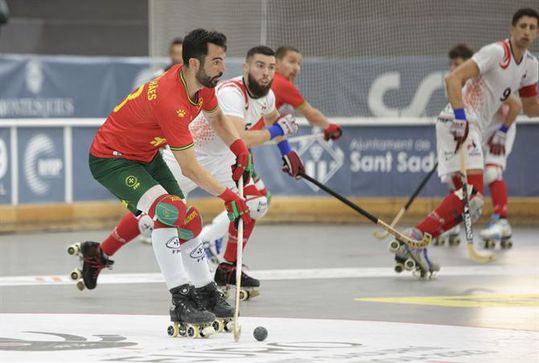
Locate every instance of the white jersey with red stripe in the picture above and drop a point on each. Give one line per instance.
(499, 77)
(234, 100)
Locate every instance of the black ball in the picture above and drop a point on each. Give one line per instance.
(260, 333)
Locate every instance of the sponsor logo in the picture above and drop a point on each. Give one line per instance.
(40, 165)
(158, 141)
(34, 77)
(181, 113)
(198, 253)
(132, 182)
(173, 244)
(321, 159)
(66, 342)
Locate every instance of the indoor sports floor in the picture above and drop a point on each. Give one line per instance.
(328, 294)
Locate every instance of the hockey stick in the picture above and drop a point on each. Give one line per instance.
(384, 234)
(401, 237)
(239, 264)
(299, 138)
(472, 252)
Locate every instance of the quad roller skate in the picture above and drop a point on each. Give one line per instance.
(225, 277)
(413, 259)
(450, 237)
(213, 300)
(189, 319)
(499, 230)
(92, 259)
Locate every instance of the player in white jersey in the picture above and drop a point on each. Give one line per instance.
(494, 164)
(492, 77)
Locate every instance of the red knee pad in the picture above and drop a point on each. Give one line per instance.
(192, 225)
(168, 211)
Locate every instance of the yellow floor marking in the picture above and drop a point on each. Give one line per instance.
(466, 301)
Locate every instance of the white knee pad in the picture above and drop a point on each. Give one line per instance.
(145, 225)
(258, 205)
(492, 173)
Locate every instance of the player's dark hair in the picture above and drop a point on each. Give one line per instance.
(195, 44)
(259, 49)
(176, 41)
(525, 12)
(460, 51)
(281, 52)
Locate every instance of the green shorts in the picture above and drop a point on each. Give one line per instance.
(128, 180)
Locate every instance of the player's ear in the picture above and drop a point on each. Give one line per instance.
(194, 64)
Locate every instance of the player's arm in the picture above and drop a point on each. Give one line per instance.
(317, 118)
(514, 108)
(530, 106)
(497, 140)
(455, 80)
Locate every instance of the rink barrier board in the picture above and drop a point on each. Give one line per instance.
(105, 214)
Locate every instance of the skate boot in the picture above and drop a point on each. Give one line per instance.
(212, 299)
(451, 237)
(225, 277)
(213, 250)
(413, 259)
(499, 230)
(188, 318)
(93, 260)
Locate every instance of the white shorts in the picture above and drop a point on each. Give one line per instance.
(448, 160)
(218, 166)
(499, 160)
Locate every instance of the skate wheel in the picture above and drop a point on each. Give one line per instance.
(454, 242)
(244, 295)
(193, 331)
(218, 325)
(207, 331)
(490, 244)
(80, 285)
(173, 330)
(409, 264)
(394, 246)
(506, 244)
(253, 293)
(73, 249)
(76, 274)
(229, 326)
(399, 268)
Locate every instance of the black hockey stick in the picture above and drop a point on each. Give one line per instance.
(401, 237)
(384, 234)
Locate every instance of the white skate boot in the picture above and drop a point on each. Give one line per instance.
(451, 237)
(499, 230)
(413, 259)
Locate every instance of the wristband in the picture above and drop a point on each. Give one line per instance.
(504, 129)
(284, 147)
(275, 131)
(460, 114)
(227, 195)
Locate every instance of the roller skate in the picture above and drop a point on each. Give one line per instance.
(93, 260)
(451, 237)
(189, 318)
(225, 277)
(499, 230)
(213, 300)
(213, 250)
(413, 259)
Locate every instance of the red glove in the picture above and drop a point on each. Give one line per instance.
(292, 164)
(236, 207)
(244, 164)
(332, 132)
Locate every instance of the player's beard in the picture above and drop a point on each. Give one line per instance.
(257, 90)
(207, 81)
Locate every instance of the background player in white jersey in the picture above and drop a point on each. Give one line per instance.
(494, 164)
(490, 78)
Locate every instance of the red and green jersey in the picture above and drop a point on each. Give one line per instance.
(286, 92)
(154, 115)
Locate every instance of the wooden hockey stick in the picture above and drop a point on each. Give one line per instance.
(384, 234)
(400, 236)
(239, 264)
(472, 252)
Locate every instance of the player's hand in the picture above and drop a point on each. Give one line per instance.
(235, 207)
(496, 142)
(292, 164)
(244, 163)
(288, 124)
(460, 127)
(332, 132)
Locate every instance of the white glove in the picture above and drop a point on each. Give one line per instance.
(288, 124)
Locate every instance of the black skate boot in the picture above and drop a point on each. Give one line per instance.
(93, 261)
(225, 277)
(212, 299)
(413, 259)
(188, 317)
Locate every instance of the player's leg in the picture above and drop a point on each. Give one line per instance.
(451, 236)
(499, 228)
